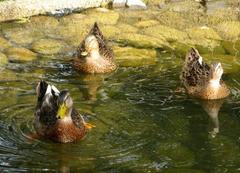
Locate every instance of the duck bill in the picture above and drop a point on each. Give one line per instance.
(62, 110)
(84, 53)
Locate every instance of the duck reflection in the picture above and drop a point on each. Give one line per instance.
(212, 108)
(91, 84)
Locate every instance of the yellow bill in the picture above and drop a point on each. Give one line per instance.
(62, 110)
(84, 53)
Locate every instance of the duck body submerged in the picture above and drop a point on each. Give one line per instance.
(203, 81)
(93, 54)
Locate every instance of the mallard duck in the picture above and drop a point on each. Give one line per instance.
(203, 81)
(56, 118)
(93, 54)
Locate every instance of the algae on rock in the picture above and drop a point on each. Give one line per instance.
(129, 56)
(3, 59)
(20, 54)
(170, 34)
(4, 44)
(229, 30)
(143, 41)
(126, 28)
(231, 64)
(146, 23)
(48, 46)
(232, 47)
(103, 16)
(203, 33)
(22, 35)
(110, 31)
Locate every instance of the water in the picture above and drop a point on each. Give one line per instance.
(142, 123)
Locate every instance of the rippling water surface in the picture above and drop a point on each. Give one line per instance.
(143, 124)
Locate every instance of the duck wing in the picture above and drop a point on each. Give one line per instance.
(77, 118)
(47, 107)
(195, 71)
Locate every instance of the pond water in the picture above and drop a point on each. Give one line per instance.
(142, 123)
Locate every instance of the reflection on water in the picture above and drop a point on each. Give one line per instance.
(140, 124)
(212, 108)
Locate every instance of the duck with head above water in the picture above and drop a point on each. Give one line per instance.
(93, 54)
(56, 118)
(203, 81)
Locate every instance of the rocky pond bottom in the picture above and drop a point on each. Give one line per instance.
(142, 123)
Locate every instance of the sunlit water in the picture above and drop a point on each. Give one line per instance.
(142, 123)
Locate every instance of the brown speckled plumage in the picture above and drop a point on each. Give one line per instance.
(196, 76)
(87, 64)
(46, 123)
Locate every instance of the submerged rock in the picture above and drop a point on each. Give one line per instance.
(143, 41)
(175, 153)
(3, 59)
(48, 46)
(203, 33)
(207, 45)
(77, 20)
(185, 6)
(133, 16)
(174, 20)
(146, 23)
(75, 27)
(125, 28)
(181, 49)
(170, 34)
(231, 64)
(222, 15)
(20, 54)
(110, 31)
(22, 35)
(129, 56)
(103, 16)
(229, 30)
(45, 24)
(4, 44)
(7, 75)
(232, 48)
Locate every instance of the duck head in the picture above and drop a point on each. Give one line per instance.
(65, 105)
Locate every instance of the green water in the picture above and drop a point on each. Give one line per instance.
(142, 123)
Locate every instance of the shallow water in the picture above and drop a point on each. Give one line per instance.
(142, 123)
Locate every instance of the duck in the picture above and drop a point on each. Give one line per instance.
(56, 118)
(93, 55)
(201, 80)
